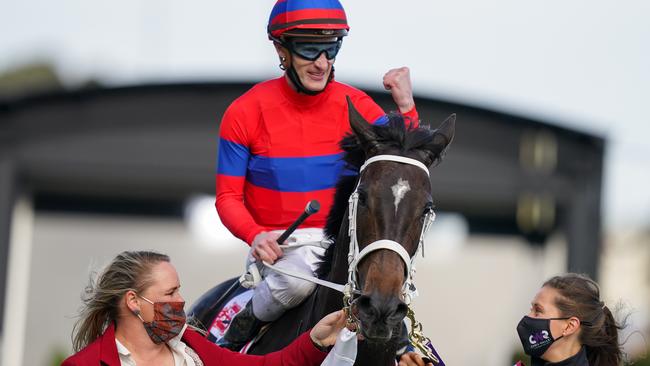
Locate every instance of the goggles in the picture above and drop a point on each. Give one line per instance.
(312, 50)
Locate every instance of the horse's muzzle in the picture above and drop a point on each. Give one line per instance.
(379, 316)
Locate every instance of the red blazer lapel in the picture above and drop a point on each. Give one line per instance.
(108, 349)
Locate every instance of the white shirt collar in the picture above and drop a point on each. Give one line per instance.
(175, 344)
(121, 349)
(176, 341)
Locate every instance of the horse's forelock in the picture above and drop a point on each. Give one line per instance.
(397, 133)
(400, 133)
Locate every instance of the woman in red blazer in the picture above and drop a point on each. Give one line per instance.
(133, 314)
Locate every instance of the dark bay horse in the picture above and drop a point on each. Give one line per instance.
(392, 202)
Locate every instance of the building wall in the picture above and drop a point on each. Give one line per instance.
(625, 285)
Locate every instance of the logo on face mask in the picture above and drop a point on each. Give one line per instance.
(538, 337)
(535, 335)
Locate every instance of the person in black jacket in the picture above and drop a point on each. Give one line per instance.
(569, 325)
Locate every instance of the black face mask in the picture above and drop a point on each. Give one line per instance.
(535, 335)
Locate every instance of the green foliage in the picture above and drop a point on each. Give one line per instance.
(29, 79)
(642, 362)
(57, 356)
(520, 356)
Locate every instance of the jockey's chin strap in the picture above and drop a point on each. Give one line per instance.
(355, 255)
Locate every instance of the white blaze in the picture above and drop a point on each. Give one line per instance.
(399, 190)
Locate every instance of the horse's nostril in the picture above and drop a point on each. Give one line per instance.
(402, 309)
(364, 304)
(400, 312)
(389, 310)
(372, 309)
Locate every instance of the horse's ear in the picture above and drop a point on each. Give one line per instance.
(445, 133)
(441, 139)
(361, 128)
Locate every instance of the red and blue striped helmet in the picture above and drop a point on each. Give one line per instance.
(307, 18)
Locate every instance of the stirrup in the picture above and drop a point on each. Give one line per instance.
(251, 278)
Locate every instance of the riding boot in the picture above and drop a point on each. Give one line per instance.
(243, 327)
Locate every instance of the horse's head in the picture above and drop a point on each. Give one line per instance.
(393, 200)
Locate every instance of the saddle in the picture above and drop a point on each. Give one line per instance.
(213, 311)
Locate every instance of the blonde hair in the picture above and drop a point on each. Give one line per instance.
(130, 270)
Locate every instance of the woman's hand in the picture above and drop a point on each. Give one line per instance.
(412, 359)
(324, 333)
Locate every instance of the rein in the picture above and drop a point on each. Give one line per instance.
(355, 255)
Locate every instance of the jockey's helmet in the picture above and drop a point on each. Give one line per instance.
(307, 18)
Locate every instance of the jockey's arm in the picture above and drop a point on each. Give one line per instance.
(398, 81)
(230, 181)
(374, 114)
(231, 176)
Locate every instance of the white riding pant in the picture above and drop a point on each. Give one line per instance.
(277, 292)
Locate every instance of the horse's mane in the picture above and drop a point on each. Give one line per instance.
(398, 133)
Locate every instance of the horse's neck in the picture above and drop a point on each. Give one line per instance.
(339, 271)
(332, 300)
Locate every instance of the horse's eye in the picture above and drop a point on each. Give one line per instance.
(427, 208)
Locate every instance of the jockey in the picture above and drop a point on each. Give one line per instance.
(279, 149)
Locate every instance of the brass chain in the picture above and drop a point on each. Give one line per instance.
(416, 335)
(418, 339)
(352, 321)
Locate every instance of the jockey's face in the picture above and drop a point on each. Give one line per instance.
(312, 74)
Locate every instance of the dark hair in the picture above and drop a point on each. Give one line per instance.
(128, 271)
(579, 296)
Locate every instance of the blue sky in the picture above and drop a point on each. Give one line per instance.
(583, 64)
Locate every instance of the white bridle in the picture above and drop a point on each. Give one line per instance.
(355, 256)
(351, 288)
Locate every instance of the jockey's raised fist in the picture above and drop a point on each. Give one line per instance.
(398, 81)
(266, 248)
